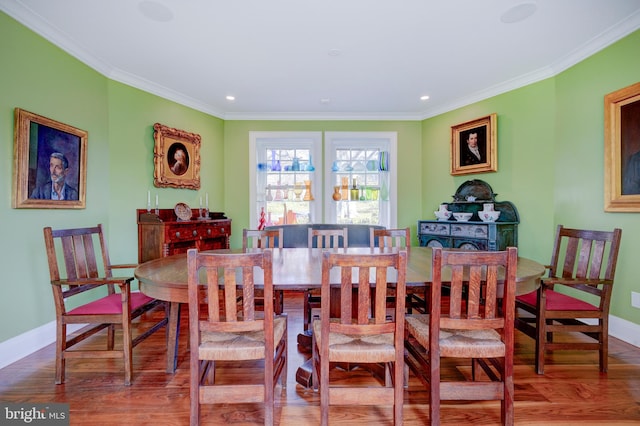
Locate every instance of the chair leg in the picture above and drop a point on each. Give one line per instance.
(541, 336)
(127, 348)
(268, 391)
(111, 333)
(324, 391)
(314, 364)
(61, 344)
(506, 404)
(604, 345)
(306, 311)
(194, 389)
(398, 384)
(434, 390)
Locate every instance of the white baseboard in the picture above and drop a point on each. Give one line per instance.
(27, 343)
(624, 330)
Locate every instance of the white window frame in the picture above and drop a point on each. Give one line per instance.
(386, 141)
(259, 141)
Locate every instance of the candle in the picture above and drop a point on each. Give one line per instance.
(207, 201)
(148, 200)
(200, 202)
(156, 201)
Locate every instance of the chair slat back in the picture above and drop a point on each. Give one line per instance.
(585, 254)
(387, 238)
(486, 276)
(78, 251)
(262, 238)
(328, 238)
(75, 254)
(357, 316)
(225, 274)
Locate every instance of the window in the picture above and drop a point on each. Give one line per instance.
(284, 174)
(287, 174)
(361, 168)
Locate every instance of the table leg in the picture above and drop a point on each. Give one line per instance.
(173, 332)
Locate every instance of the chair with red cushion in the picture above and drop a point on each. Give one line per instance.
(79, 262)
(584, 262)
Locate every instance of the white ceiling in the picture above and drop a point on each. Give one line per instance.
(327, 59)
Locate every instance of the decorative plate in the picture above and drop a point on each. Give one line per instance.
(183, 211)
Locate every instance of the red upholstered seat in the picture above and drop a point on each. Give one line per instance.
(557, 302)
(583, 261)
(111, 304)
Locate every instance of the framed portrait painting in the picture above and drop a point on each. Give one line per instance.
(176, 158)
(50, 161)
(622, 150)
(474, 146)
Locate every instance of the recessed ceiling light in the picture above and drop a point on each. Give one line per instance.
(335, 52)
(424, 98)
(231, 98)
(519, 12)
(325, 100)
(155, 11)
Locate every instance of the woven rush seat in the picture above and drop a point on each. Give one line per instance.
(239, 345)
(485, 343)
(369, 348)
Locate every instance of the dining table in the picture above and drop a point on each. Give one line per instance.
(294, 269)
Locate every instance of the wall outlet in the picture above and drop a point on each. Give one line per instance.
(635, 299)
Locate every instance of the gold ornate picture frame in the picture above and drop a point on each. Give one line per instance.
(50, 160)
(176, 158)
(474, 146)
(622, 150)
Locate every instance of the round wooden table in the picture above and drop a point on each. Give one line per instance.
(297, 269)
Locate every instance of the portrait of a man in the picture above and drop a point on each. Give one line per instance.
(50, 163)
(57, 187)
(473, 146)
(630, 148)
(56, 174)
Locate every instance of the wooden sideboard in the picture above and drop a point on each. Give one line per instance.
(163, 234)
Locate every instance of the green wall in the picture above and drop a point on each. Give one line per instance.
(132, 114)
(525, 160)
(550, 161)
(579, 157)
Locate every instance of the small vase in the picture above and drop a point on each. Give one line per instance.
(307, 193)
(384, 190)
(336, 193)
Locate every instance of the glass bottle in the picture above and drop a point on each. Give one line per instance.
(355, 193)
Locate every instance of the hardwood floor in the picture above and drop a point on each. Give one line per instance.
(571, 391)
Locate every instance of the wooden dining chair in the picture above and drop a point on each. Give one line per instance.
(226, 331)
(583, 261)
(399, 238)
(79, 262)
(480, 327)
(360, 333)
(321, 238)
(255, 239)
